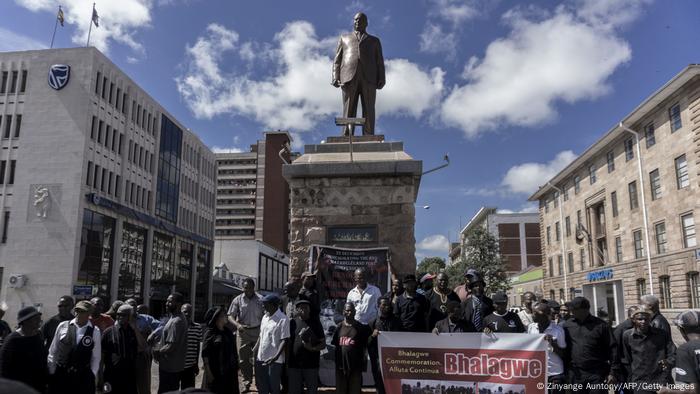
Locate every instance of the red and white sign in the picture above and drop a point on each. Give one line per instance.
(463, 363)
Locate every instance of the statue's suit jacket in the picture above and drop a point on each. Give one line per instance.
(364, 54)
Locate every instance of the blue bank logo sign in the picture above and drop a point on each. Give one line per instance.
(59, 74)
(605, 274)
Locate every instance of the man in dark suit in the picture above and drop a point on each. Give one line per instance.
(477, 305)
(358, 69)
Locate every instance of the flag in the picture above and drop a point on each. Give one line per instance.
(60, 16)
(95, 17)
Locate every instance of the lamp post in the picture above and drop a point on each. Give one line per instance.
(562, 240)
(644, 205)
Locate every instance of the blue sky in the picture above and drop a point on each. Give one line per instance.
(512, 90)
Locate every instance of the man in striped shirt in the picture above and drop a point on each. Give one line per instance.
(194, 340)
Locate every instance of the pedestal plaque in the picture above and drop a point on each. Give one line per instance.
(364, 202)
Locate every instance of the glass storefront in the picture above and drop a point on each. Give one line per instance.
(132, 265)
(168, 170)
(162, 272)
(184, 270)
(96, 251)
(203, 275)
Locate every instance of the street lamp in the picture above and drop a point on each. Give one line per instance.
(644, 205)
(562, 240)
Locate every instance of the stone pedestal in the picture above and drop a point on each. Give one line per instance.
(376, 190)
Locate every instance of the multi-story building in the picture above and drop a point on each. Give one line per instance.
(252, 212)
(619, 221)
(102, 191)
(518, 236)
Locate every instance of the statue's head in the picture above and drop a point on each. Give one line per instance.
(360, 22)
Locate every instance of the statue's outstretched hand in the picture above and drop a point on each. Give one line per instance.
(380, 84)
(336, 83)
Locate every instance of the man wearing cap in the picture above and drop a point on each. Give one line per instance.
(426, 285)
(412, 308)
(306, 342)
(590, 347)
(439, 298)
(687, 369)
(648, 353)
(171, 350)
(23, 357)
(501, 319)
(245, 313)
(554, 334)
(65, 312)
(121, 344)
(75, 353)
(476, 306)
(365, 296)
(271, 346)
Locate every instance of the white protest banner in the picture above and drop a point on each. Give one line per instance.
(463, 363)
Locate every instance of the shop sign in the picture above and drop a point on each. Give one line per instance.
(605, 274)
(83, 290)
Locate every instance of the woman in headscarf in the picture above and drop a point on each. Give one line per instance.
(219, 354)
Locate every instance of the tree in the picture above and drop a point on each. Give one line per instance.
(481, 252)
(431, 265)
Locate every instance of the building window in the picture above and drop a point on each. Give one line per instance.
(97, 82)
(203, 272)
(162, 271)
(3, 167)
(632, 188)
(96, 250)
(557, 231)
(613, 203)
(567, 224)
(655, 184)
(546, 206)
(561, 295)
(133, 262)
(551, 267)
(5, 226)
(591, 174)
(611, 161)
(629, 149)
(8, 126)
(582, 256)
(682, 172)
(3, 85)
(273, 273)
(89, 176)
(649, 135)
(570, 262)
(665, 293)
(11, 178)
(674, 116)
(13, 83)
(565, 188)
(168, 186)
(618, 249)
(23, 82)
(641, 287)
(555, 198)
(688, 227)
(694, 287)
(549, 233)
(577, 184)
(18, 124)
(660, 232)
(552, 294)
(638, 246)
(560, 264)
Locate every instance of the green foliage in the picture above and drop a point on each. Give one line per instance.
(481, 253)
(431, 265)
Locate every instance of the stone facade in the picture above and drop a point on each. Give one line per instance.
(378, 188)
(606, 260)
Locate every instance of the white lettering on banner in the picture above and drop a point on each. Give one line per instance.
(485, 365)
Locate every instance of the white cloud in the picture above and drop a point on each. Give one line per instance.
(230, 149)
(435, 243)
(526, 208)
(119, 20)
(455, 11)
(12, 41)
(434, 39)
(528, 177)
(297, 93)
(437, 38)
(567, 55)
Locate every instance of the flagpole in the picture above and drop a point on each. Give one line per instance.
(55, 26)
(90, 29)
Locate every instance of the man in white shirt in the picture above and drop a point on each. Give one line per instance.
(74, 354)
(365, 297)
(554, 334)
(525, 314)
(274, 335)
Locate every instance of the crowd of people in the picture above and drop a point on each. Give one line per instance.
(276, 342)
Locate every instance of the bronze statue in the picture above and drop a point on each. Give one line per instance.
(358, 69)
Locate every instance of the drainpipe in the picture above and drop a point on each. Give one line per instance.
(644, 205)
(562, 242)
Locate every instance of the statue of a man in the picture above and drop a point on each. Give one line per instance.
(358, 70)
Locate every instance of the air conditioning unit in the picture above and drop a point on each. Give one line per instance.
(17, 281)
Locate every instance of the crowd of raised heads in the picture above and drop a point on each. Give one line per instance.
(274, 342)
